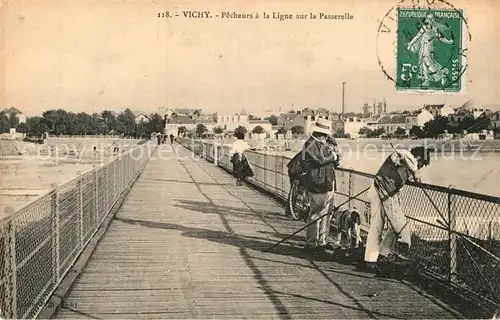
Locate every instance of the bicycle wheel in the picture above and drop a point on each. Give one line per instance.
(298, 201)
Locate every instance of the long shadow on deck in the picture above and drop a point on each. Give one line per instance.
(247, 243)
(298, 253)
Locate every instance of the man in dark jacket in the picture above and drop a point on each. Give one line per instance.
(320, 157)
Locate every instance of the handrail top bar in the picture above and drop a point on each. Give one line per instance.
(62, 184)
(454, 191)
(27, 204)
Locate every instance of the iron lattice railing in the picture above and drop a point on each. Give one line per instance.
(455, 233)
(43, 239)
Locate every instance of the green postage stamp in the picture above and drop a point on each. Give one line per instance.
(430, 55)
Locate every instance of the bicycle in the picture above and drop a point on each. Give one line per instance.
(299, 203)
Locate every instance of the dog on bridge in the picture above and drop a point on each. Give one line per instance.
(350, 248)
(348, 224)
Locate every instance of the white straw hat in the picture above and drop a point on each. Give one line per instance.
(323, 126)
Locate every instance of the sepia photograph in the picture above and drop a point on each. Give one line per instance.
(266, 159)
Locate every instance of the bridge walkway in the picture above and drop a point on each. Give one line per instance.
(187, 243)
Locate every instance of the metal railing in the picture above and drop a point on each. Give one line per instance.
(455, 233)
(43, 239)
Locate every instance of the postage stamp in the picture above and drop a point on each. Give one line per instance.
(422, 47)
(429, 49)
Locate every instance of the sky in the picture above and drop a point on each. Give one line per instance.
(86, 56)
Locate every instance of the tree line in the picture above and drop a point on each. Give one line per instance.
(437, 126)
(61, 122)
(201, 130)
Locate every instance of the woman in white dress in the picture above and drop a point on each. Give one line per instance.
(236, 154)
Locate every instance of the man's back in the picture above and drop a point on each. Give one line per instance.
(319, 160)
(395, 172)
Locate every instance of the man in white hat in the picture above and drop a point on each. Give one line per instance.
(320, 158)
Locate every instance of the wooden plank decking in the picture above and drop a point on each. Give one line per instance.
(187, 243)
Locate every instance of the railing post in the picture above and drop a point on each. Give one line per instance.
(452, 238)
(55, 234)
(275, 186)
(124, 168)
(351, 183)
(10, 264)
(212, 146)
(490, 231)
(127, 166)
(115, 180)
(265, 170)
(284, 173)
(79, 185)
(107, 189)
(96, 200)
(216, 154)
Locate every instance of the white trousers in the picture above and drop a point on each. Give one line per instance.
(317, 233)
(389, 210)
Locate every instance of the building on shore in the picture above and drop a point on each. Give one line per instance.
(286, 119)
(495, 121)
(210, 124)
(349, 126)
(265, 124)
(187, 112)
(459, 115)
(305, 119)
(376, 110)
(227, 122)
(265, 114)
(472, 109)
(140, 117)
(16, 112)
(439, 110)
(391, 123)
(180, 121)
(232, 121)
(418, 118)
(367, 113)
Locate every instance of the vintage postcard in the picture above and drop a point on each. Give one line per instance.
(267, 159)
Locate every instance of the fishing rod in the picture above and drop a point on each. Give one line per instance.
(351, 198)
(423, 190)
(323, 215)
(437, 147)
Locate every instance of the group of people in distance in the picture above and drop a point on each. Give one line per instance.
(162, 138)
(320, 157)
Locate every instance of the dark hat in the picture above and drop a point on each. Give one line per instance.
(423, 153)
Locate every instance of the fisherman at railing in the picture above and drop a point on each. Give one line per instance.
(320, 157)
(395, 172)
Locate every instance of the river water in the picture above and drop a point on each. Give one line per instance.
(25, 176)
